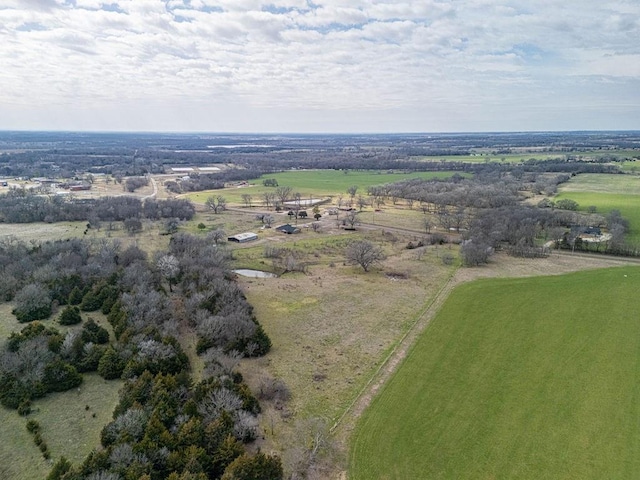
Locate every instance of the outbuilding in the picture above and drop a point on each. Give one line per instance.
(243, 237)
(288, 229)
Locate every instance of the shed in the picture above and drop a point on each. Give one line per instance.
(243, 237)
(288, 229)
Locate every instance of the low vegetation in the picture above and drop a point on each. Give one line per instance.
(521, 378)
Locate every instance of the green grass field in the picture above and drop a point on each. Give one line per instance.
(515, 378)
(603, 183)
(607, 192)
(482, 156)
(67, 426)
(319, 183)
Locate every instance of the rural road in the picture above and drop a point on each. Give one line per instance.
(155, 189)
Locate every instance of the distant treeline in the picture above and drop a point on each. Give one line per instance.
(22, 206)
(67, 155)
(196, 182)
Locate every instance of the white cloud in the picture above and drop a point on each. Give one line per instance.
(373, 62)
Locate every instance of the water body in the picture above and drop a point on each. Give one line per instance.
(245, 272)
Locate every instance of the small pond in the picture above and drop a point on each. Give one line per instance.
(245, 272)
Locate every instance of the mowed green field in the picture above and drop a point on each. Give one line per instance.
(607, 192)
(482, 156)
(319, 183)
(515, 378)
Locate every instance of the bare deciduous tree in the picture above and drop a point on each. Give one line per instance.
(283, 193)
(217, 235)
(268, 198)
(364, 253)
(247, 199)
(216, 204)
(169, 267)
(351, 219)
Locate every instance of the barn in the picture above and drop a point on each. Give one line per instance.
(243, 237)
(288, 229)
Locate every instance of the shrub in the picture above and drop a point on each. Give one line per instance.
(24, 408)
(59, 376)
(94, 333)
(110, 365)
(90, 302)
(70, 316)
(447, 258)
(75, 297)
(246, 467)
(33, 426)
(61, 467)
(32, 303)
(567, 204)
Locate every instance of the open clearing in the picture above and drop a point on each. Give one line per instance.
(337, 323)
(607, 192)
(603, 183)
(515, 378)
(319, 183)
(67, 426)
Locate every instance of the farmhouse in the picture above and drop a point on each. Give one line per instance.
(243, 237)
(288, 229)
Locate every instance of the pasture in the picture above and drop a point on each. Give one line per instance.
(68, 427)
(515, 378)
(318, 183)
(482, 155)
(607, 192)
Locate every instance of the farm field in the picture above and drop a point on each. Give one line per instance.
(603, 183)
(607, 192)
(320, 183)
(515, 378)
(483, 156)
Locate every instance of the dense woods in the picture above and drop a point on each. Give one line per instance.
(23, 206)
(164, 426)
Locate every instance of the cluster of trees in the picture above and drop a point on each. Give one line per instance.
(22, 206)
(164, 425)
(197, 182)
(485, 190)
(131, 184)
(521, 230)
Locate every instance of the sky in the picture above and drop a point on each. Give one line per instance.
(319, 66)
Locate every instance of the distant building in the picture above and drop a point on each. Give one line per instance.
(243, 237)
(288, 229)
(78, 188)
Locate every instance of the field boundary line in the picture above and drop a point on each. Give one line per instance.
(425, 315)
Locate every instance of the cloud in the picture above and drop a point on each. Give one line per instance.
(375, 59)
